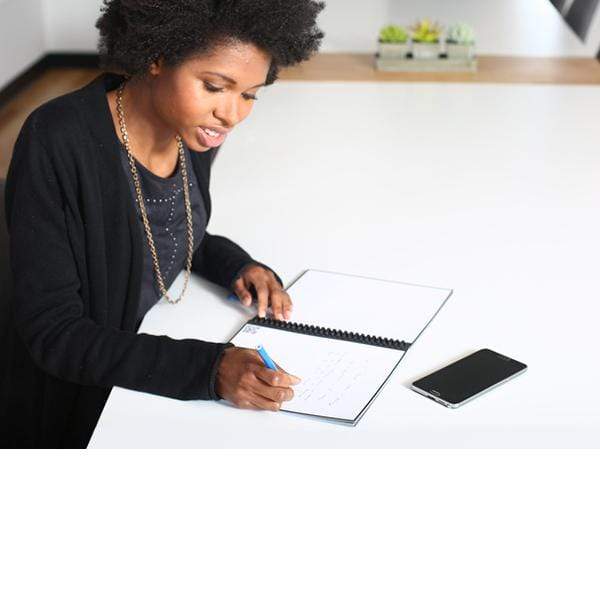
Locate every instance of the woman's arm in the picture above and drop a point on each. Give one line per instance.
(49, 311)
(222, 261)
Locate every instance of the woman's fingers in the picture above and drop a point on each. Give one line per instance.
(279, 301)
(287, 307)
(244, 404)
(280, 378)
(273, 393)
(266, 389)
(271, 385)
(267, 295)
(262, 293)
(264, 403)
(281, 304)
(277, 304)
(242, 292)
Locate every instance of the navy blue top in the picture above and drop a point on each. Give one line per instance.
(165, 207)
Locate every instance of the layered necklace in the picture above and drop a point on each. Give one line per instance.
(140, 200)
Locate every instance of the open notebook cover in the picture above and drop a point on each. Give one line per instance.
(346, 336)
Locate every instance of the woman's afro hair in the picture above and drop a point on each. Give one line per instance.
(135, 33)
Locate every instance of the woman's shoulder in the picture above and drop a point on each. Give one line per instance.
(65, 116)
(53, 120)
(58, 135)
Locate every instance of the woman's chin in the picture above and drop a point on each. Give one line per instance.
(195, 145)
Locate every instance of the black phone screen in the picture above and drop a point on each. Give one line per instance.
(469, 376)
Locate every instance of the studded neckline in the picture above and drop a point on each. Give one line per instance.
(176, 175)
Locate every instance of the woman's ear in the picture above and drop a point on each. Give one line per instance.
(156, 66)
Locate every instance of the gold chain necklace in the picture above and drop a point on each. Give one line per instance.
(140, 200)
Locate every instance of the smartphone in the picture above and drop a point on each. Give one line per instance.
(469, 377)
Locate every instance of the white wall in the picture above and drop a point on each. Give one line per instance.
(21, 37)
(352, 25)
(511, 27)
(69, 25)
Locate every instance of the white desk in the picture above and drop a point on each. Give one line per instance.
(491, 190)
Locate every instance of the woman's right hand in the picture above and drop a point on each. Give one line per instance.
(244, 380)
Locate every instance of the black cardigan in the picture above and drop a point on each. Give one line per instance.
(76, 252)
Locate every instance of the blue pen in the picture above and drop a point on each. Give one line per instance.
(266, 358)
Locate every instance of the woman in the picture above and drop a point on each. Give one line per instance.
(107, 200)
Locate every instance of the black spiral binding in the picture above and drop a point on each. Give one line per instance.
(326, 332)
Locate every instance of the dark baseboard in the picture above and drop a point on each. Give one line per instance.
(50, 60)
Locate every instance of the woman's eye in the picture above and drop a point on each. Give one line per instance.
(211, 88)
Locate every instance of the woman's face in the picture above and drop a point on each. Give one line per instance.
(214, 92)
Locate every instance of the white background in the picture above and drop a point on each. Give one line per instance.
(299, 525)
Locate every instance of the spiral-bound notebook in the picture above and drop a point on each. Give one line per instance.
(346, 336)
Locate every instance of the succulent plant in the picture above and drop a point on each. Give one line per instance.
(461, 33)
(393, 34)
(426, 31)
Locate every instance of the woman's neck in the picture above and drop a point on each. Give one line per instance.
(151, 141)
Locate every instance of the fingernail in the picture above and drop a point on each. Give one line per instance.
(296, 379)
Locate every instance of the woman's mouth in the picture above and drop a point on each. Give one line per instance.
(209, 137)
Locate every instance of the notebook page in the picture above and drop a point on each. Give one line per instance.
(339, 378)
(364, 305)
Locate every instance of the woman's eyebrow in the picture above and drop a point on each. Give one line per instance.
(233, 81)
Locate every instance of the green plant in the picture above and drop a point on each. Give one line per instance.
(426, 31)
(393, 34)
(461, 33)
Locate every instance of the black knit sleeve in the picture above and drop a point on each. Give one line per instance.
(221, 261)
(48, 307)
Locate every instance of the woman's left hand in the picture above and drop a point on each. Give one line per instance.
(268, 291)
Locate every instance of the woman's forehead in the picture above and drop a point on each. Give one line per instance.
(238, 57)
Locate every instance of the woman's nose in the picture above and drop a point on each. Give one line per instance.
(227, 112)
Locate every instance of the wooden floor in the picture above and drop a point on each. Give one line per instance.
(54, 82)
(322, 67)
